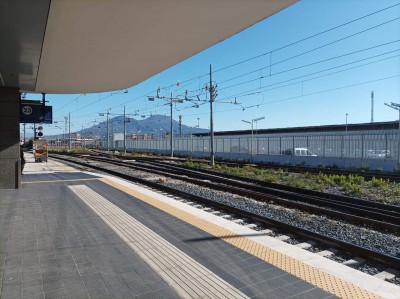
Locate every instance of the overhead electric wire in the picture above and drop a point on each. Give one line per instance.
(135, 99)
(256, 79)
(316, 48)
(92, 103)
(296, 97)
(306, 38)
(258, 90)
(336, 41)
(69, 103)
(300, 96)
(338, 88)
(313, 63)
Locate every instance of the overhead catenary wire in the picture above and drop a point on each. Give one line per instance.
(303, 81)
(303, 95)
(258, 90)
(338, 40)
(317, 48)
(300, 96)
(70, 102)
(352, 62)
(309, 64)
(307, 38)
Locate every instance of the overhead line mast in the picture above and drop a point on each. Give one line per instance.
(212, 93)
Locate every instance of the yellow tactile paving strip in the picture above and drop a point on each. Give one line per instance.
(189, 278)
(323, 280)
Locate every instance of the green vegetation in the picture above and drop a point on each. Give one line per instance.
(350, 185)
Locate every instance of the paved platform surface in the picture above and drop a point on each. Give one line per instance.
(68, 234)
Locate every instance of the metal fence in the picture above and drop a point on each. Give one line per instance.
(377, 145)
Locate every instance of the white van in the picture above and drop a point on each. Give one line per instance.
(299, 151)
(302, 151)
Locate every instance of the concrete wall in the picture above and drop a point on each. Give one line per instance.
(10, 164)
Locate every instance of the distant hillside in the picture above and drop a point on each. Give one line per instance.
(156, 124)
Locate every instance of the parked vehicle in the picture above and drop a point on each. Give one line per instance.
(379, 154)
(299, 151)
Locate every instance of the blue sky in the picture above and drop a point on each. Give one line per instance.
(312, 82)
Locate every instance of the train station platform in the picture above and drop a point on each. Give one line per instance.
(73, 234)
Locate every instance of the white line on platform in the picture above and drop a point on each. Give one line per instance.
(180, 271)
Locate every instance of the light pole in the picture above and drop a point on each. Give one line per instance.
(346, 121)
(211, 121)
(396, 107)
(256, 121)
(252, 123)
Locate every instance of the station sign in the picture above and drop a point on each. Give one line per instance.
(34, 112)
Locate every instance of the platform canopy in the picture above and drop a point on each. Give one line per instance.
(79, 46)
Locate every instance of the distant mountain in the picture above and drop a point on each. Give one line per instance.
(156, 124)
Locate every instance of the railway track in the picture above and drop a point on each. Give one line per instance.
(368, 175)
(388, 260)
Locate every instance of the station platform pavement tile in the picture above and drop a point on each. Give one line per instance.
(53, 244)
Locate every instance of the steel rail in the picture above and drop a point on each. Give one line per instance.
(395, 210)
(368, 208)
(368, 175)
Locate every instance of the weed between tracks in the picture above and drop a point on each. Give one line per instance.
(351, 185)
